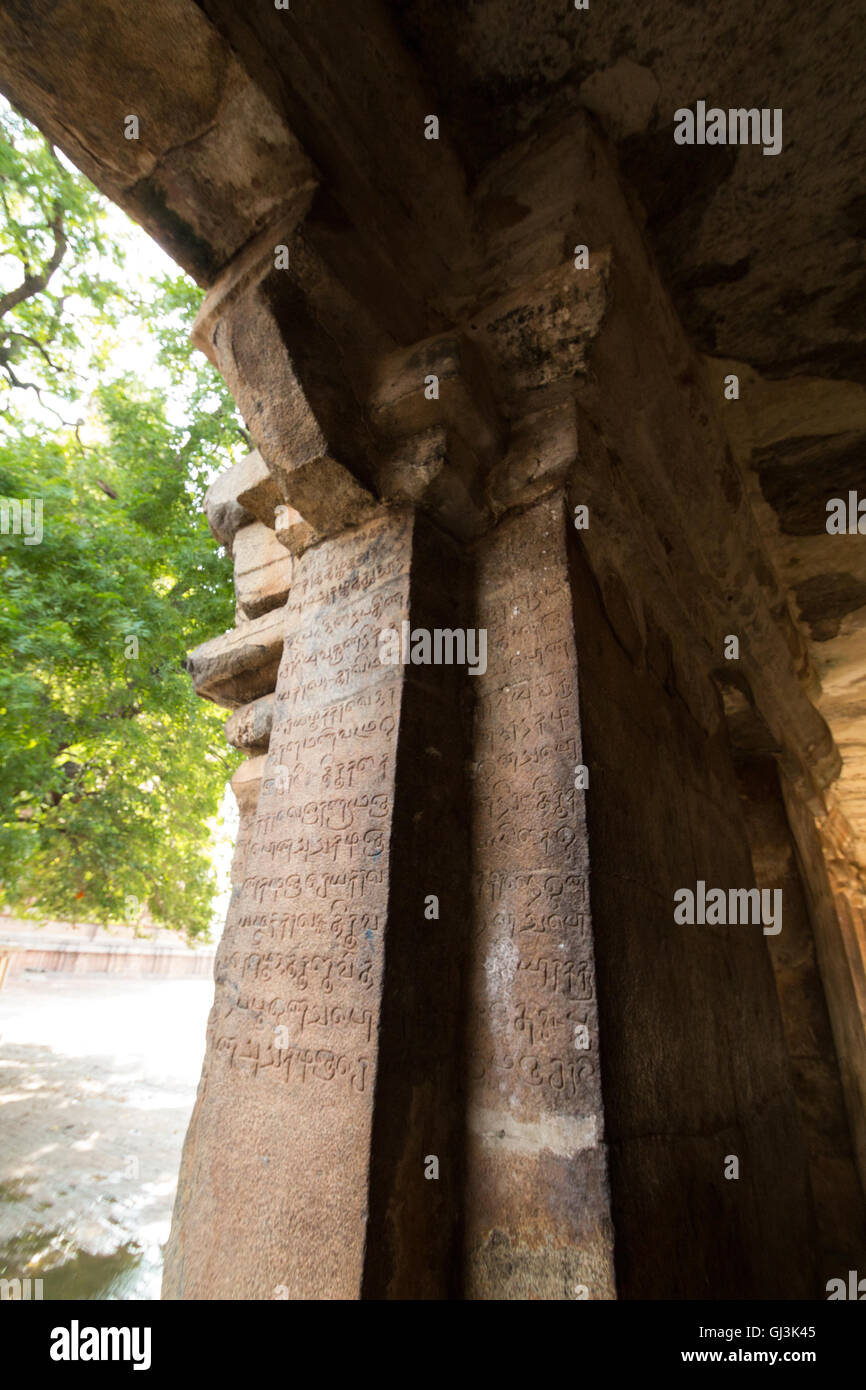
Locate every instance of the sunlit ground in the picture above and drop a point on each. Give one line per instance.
(97, 1081)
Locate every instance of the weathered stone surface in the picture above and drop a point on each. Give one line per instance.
(250, 726)
(723, 575)
(543, 451)
(541, 333)
(402, 403)
(255, 489)
(214, 160)
(435, 470)
(538, 1219)
(292, 531)
(834, 888)
(801, 443)
(331, 980)
(242, 664)
(806, 1015)
(247, 781)
(324, 492)
(756, 272)
(248, 332)
(407, 196)
(623, 96)
(263, 570)
(691, 1071)
(224, 512)
(292, 1045)
(246, 785)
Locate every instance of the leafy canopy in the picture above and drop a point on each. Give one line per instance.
(111, 767)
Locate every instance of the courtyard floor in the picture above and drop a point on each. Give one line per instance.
(97, 1080)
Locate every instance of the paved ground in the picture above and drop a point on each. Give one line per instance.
(97, 1081)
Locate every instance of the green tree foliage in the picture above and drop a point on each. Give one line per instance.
(56, 264)
(111, 766)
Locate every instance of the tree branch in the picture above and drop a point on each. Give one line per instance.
(35, 284)
(31, 386)
(34, 342)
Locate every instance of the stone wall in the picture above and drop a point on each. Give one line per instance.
(156, 961)
(693, 1055)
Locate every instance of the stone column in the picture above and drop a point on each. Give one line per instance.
(537, 1211)
(278, 1146)
(327, 1084)
(803, 998)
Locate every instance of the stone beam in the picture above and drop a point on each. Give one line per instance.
(667, 497)
(280, 369)
(211, 160)
(242, 664)
(363, 123)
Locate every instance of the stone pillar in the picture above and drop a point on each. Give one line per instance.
(327, 1078)
(836, 1189)
(278, 1146)
(537, 1207)
(831, 883)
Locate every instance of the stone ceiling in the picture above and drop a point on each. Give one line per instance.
(763, 255)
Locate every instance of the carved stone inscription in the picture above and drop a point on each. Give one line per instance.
(292, 1036)
(535, 1119)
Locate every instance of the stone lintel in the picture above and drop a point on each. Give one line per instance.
(282, 391)
(212, 160)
